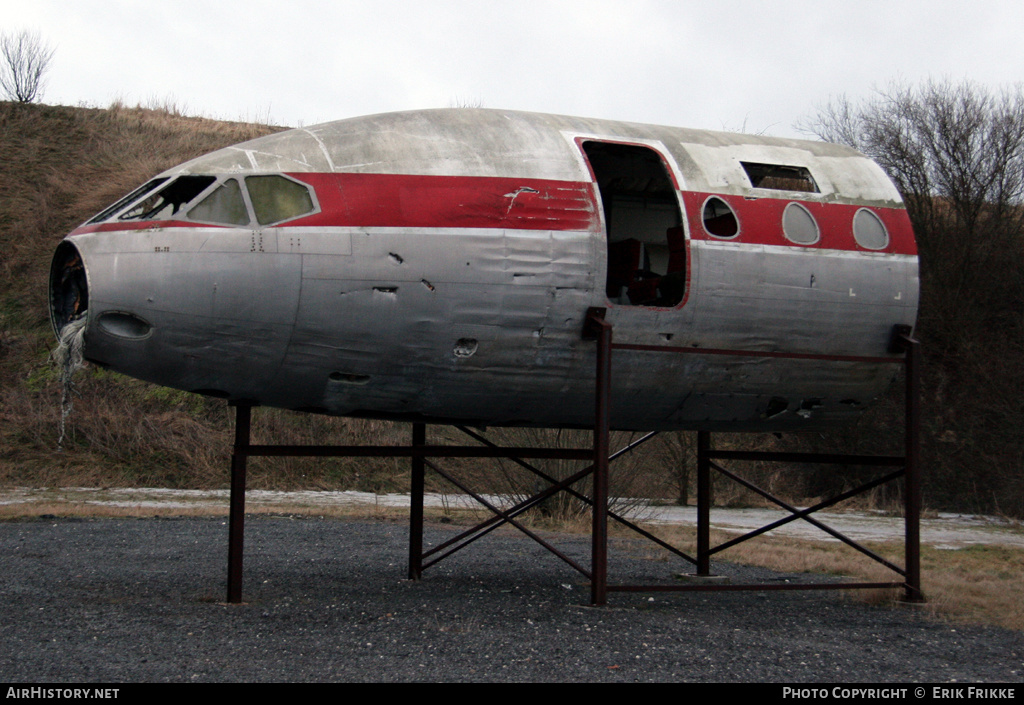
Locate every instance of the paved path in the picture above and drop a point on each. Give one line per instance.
(943, 530)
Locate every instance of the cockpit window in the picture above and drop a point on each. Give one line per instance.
(224, 205)
(166, 202)
(275, 198)
(133, 196)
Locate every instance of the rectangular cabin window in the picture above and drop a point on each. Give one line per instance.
(780, 177)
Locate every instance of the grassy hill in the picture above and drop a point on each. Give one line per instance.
(58, 167)
(61, 165)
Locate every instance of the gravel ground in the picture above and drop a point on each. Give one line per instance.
(140, 600)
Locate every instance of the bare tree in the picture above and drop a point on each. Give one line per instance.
(956, 153)
(24, 59)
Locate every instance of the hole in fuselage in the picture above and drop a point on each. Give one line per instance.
(347, 378)
(69, 291)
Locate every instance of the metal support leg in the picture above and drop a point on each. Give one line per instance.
(912, 481)
(419, 438)
(703, 503)
(602, 415)
(236, 521)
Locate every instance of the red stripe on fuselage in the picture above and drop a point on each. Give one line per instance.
(412, 201)
(418, 201)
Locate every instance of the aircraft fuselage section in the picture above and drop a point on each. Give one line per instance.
(461, 296)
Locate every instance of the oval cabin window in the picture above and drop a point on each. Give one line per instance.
(719, 220)
(869, 231)
(799, 225)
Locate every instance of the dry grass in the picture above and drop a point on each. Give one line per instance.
(60, 166)
(981, 584)
(126, 433)
(973, 585)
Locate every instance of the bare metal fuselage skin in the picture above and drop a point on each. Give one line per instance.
(443, 263)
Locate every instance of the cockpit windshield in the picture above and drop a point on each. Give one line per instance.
(131, 197)
(166, 202)
(274, 199)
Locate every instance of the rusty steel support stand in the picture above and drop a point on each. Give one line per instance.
(236, 520)
(703, 504)
(419, 438)
(602, 423)
(912, 480)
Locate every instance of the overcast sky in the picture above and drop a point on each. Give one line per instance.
(741, 66)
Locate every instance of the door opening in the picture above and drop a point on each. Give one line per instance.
(646, 244)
